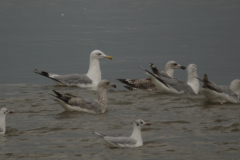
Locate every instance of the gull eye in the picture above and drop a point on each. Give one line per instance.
(141, 122)
(174, 64)
(108, 83)
(99, 54)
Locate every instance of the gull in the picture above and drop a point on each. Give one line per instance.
(173, 85)
(221, 94)
(135, 140)
(91, 79)
(3, 113)
(73, 103)
(147, 83)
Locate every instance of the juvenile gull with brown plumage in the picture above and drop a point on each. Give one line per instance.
(147, 82)
(73, 103)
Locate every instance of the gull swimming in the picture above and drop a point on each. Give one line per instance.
(3, 113)
(91, 79)
(173, 85)
(147, 82)
(73, 103)
(220, 94)
(135, 140)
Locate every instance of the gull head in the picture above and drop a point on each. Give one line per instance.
(174, 65)
(235, 86)
(106, 84)
(97, 54)
(192, 68)
(139, 123)
(5, 111)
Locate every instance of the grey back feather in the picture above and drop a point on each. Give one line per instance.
(164, 74)
(79, 101)
(228, 91)
(74, 79)
(85, 103)
(178, 85)
(121, 140)
(220, 89)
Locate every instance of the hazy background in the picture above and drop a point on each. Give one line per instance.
(58, 36)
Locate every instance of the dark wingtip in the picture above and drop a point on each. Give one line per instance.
(151, 65)
(36, 71)
(129, 88)
(57, 93)
(121, 80)
(205, 76)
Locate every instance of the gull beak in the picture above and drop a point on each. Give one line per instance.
(182, 67)
(148, 124)
(114, 85)
(10, 112)
(109, 57)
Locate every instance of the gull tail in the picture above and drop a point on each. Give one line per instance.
(45, 74)
(60, 96)
(130, 88)
(154, 69)
(129, 82)
(208, 84)
(152, 75)
(99, 134)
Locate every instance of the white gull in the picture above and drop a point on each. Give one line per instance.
(3, 113)
(91, 79)
(135, 140)
(221, 94)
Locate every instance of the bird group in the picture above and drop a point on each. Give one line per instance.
(163, 82)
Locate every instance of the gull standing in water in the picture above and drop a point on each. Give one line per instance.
(73, 103)
(135, 140)
(173, 85)
(221, 94)
(91, 79)
(147, 83)
(3, 113)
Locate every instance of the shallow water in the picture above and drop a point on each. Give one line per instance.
(57, 36)
(183, 126)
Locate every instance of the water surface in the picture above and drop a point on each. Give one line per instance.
(58, 36)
